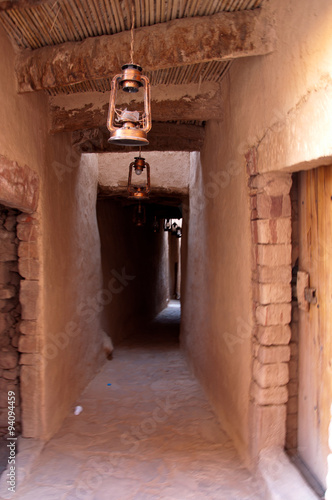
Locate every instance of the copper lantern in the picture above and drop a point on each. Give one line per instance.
(129, 128)
(141, 191)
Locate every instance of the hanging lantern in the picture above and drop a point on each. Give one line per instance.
(139, 215)
(129, 128)
(139, 191)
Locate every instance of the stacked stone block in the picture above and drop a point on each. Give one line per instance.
(272, 297)
(29, 341)
(10, 316)
(19, 341)
(19, 188)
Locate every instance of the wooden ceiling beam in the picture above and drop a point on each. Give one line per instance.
(222, 36)
(169, 103)
(162, 137)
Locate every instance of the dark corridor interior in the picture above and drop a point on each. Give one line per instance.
(147, 255)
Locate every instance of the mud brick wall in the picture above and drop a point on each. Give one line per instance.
(10, 315)
(272, 305)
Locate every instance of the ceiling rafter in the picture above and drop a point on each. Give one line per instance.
(37, 23)
(169, 103)
(223, 36)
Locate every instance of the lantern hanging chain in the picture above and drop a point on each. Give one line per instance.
(132, 33)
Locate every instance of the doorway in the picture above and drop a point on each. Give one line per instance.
(315, 320)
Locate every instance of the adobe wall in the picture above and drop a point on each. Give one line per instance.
(276, 114)
(57, 197)
(216, 331)
(281, 103)
(72, 279)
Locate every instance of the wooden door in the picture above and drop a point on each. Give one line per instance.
(315, 326)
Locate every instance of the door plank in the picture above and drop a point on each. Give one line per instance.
(315, 326)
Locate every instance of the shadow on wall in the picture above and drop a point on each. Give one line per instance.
(142, 257)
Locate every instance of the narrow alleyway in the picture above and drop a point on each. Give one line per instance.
(146, 432)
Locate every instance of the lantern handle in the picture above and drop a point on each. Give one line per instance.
(133, 189)
(130, 187)
(111, 110)
(147, 104)
(147, 186)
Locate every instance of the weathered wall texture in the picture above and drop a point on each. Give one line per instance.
(22, 146)
(169, 102)
(23, 121)
(72, 280)
(282, 102)
(280, 106)
(216, 308)
(70, 271)
(169, 171)
(140, 257)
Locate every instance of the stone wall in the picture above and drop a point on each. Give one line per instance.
(19, 290)
(271, 281)
(10, 316)
(29, 340)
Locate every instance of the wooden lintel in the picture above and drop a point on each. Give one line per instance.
(162, 137)
(176, 102)
(223, 36)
